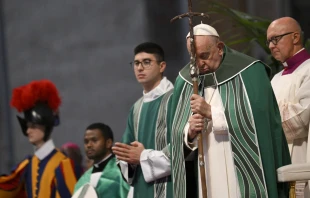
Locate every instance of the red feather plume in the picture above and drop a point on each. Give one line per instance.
(26, 97)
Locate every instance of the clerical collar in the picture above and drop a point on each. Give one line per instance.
(291, 64)
(104, 159)
(98, 167)
(45, 149)
(164, 86)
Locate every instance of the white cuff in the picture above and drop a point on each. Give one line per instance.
(154, 165)
(219, 121)
(191, 145)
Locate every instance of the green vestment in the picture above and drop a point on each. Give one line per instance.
(111, 183)
(147, 124)
(257, 140)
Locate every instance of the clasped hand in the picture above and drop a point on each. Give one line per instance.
(201, 110)
(128, 153)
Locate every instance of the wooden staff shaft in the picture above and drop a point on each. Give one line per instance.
(194, 74)
(201, 160)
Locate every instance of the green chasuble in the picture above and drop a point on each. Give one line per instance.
(147, 124)
(111, 183)
(256, 136)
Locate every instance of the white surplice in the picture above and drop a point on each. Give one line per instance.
(293, 96)
(292, 92)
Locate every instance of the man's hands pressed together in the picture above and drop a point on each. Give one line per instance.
(128, 153)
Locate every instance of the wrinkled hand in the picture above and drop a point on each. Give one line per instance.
(196, 125)
(128, 153)
(200, 106)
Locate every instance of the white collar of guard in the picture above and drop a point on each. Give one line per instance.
(45, 149)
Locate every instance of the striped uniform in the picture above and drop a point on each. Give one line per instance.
(49, 174)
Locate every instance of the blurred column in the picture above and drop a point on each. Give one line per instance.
(6, 139)
(171, 36)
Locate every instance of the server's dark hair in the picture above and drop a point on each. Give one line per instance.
(105, 130)
(151, 48)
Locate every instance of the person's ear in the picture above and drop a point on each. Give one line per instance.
(162, 66)
(220, 46)
(109, 143)
(296, 37)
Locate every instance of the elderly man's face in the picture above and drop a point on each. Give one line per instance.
(284, 39)
(209, 53)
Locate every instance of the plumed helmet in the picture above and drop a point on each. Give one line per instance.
(39, 101)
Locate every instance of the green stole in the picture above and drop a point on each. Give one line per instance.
(257, 139)
(110, 184)
(147, 124)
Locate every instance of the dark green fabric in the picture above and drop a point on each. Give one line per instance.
(146, 134)
(178, 114)
(243, 139)
(271, 138)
